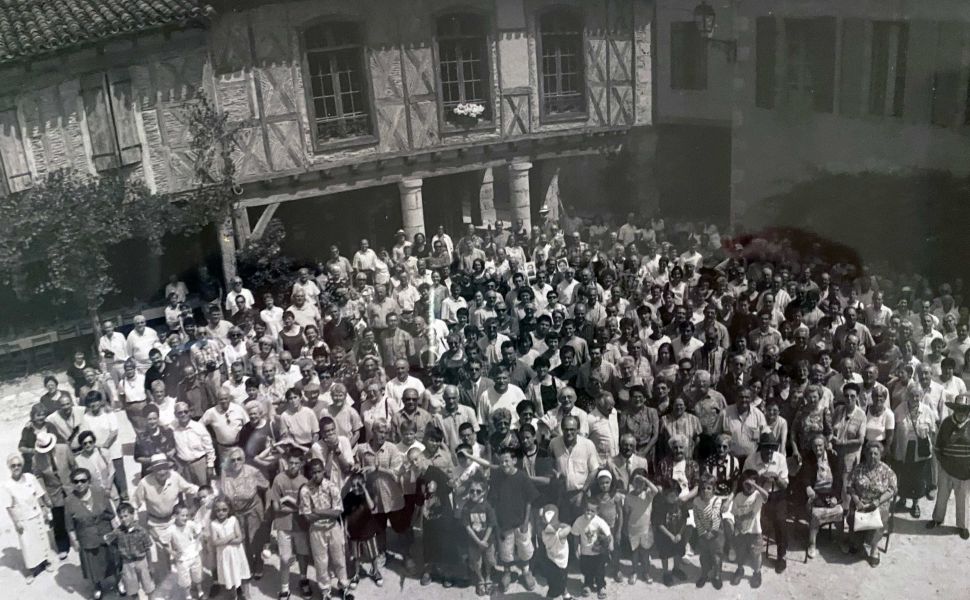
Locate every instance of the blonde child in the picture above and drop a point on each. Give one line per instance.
(637, 509)
(226, 537)
(186, 546)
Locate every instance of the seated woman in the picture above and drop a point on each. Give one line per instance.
(872, 485)
(818, 488)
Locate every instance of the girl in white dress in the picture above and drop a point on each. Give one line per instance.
(227, 538)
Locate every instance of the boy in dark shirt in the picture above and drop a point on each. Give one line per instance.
(133, 544)
(512, 495)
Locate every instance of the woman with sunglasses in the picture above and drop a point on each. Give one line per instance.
(97, 461)
(88, 513)
(29, 508)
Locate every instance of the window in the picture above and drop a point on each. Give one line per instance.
(339, 106)
(463, 63)
(688, 57)
(109, 114)
(810, 64)
(561, 64)
(888, 75)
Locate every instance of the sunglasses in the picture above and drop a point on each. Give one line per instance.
(181, 412)
(87, 443)
(79, 481)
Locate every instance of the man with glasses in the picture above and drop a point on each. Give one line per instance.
(225, 420)
(194, 451)
(237, 289)
(576, 462)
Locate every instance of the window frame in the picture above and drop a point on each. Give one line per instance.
(544, 115)
(447, 126)
(371, 137)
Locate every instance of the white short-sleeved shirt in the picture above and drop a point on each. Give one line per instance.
(877, 426)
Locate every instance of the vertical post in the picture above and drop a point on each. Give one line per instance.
(519, 193)
(412, 206)
(240, 219)
(227, 249)
(486, 198)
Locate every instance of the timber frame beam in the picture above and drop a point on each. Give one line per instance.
(387, 169)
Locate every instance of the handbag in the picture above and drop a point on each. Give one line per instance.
(867, 521)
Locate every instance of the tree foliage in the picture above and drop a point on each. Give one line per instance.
(56, 237)
(262, 263)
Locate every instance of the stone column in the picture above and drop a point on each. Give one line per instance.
(519, 193)
(486, 198)
(412, 206)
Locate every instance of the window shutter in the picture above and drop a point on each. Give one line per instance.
(97, 113)
(765, 55)
(853, 83)
(16, 170)
(126, 126)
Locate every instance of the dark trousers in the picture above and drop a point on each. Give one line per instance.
(62, 541)
(775, 516)
(593, 568)
(120, 478)
(556, 578)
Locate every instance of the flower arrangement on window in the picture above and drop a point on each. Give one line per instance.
(467, 113)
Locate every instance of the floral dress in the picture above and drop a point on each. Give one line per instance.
(869, 483)
(809, 421)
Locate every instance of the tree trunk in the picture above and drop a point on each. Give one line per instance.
(96, 323)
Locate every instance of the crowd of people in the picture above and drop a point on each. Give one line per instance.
(504, 409)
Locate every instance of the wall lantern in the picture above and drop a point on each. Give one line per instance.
(705, 19)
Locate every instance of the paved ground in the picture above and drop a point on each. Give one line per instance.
(919, 564)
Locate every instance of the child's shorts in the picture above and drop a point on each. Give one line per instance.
(137, 575)
(748, 545)
(515, 546)
(189, 572)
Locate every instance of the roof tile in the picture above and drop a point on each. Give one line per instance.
(32, 28)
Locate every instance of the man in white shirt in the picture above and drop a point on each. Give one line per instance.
(567, 408)
(502, 394)
(402, 381)
(141, 339)
(305, 312)
(113, 342)
(237, 289)
(272, 316)
(194, 452)
(306, 285)
(226, 420)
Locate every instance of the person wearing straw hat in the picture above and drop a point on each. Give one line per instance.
(52, 465)
(953, 456)
(158, 493)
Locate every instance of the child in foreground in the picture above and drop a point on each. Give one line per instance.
(186, 545)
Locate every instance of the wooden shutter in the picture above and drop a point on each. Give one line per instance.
(822, 53)
(766, 42)
(16, 170)
(948, 77)
(97, 113)
(852, 87)
(123, 108)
